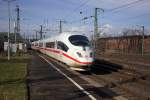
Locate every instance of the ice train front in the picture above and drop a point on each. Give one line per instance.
(82, 52)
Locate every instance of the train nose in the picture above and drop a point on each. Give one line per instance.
(85, 57)
(88, 57)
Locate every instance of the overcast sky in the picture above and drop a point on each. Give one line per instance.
(117, 14)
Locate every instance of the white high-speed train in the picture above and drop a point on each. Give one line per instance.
(72, 49)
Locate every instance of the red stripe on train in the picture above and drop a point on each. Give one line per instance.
(76, 59)
(56, 51)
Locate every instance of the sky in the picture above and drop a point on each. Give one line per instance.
(117, 15)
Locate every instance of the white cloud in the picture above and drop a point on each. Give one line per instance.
(109, 30)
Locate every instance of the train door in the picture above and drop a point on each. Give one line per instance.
(44, 47)
(63, 49)
(59, 54)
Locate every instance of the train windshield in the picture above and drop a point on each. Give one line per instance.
(79, 40)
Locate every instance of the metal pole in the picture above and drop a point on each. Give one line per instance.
(96, 26)
(18, 19)
(24, 37)
(41, 32)
(95, 29)
(142, 40)
(60, 25)
(9, 30)
(15, 31)
(36, 35)
(95, 23)
(8, 1)
(15, 36)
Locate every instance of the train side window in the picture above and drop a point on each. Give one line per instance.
(40, 44)
(50, 44)
(32, 44)
(62, 46)
(36, 44)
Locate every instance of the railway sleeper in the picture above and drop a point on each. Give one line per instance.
(127, 90)
(133, 79)
(134, 73)
(133, 93)
(120, 82)
(131, 68)
(144, 82)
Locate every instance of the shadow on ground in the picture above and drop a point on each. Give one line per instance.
(102, 67)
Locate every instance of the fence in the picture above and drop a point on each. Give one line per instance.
(123, 44)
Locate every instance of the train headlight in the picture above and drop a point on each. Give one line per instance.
(79, 54)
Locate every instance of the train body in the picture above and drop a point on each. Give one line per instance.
(72, 49)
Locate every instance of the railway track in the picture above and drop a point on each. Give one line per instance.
(126, 77)
(121, 79)
(120, 85)
(130, 65)
(125, 81)
(122, 73)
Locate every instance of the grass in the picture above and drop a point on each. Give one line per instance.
(13, 77)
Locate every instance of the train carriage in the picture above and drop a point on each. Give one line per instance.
(72, 49)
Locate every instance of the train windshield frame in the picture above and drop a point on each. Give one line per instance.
(79, 40)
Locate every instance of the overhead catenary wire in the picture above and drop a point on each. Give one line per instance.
(79, 20)
(76, 9)
(113, 10)
(80, 6)
(129, 6)
(118, 9)
(124, 6)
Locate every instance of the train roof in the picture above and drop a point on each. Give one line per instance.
(62, 36)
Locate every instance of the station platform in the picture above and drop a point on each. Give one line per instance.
(45, 82)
